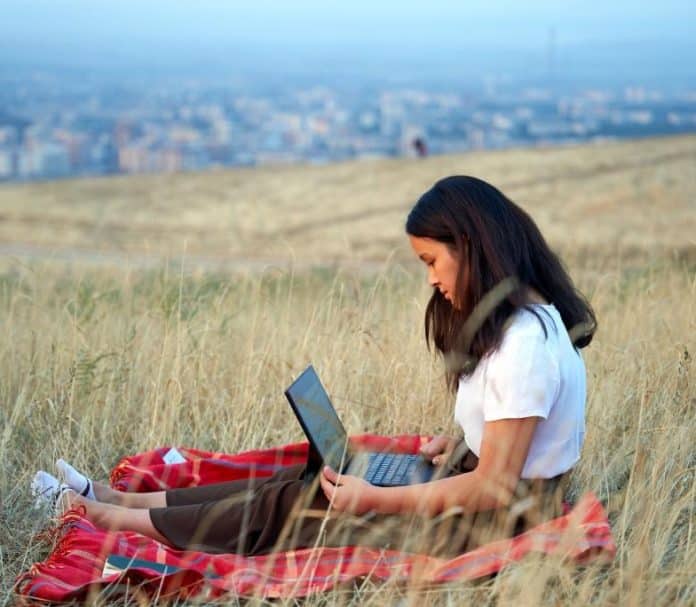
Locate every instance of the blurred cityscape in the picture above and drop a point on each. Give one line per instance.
(55, 125)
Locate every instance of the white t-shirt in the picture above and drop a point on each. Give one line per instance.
(530, 375)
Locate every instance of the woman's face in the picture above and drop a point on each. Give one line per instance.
(442, 263)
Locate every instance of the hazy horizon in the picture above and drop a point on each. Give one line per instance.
(438, 39)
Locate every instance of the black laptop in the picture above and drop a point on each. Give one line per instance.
(329, 441)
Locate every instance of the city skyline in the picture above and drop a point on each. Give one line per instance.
(89, 89)
(67, 125)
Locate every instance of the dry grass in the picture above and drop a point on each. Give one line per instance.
(636, 195)
(101, 362)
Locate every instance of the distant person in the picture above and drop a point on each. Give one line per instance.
(508, 321)
(420, 146)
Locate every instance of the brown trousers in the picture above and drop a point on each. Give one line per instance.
(261, 515)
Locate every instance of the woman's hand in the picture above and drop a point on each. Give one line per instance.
(347, 493)
(439, 449)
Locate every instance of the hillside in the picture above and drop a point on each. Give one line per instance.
(98, 362)
(599, 198)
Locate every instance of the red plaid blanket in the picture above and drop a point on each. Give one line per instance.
(87, 560)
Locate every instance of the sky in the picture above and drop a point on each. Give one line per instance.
(648, 35)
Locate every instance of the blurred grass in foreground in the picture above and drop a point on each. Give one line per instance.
(101, 363)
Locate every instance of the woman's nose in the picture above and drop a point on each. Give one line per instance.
(432, 278)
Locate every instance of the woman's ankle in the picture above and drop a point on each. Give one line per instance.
(106, 494)
(101, 514)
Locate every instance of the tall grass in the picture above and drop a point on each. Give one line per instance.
(96, 364)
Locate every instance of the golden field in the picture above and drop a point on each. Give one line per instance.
(593, 199)
(108, 350)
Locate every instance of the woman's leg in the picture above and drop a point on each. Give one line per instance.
(220, 491)
(276, 516)
(249, 519)
(188, 495)
(107, 495)
(101, 492)
(115, 518)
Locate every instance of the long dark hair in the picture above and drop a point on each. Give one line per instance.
(502, 253)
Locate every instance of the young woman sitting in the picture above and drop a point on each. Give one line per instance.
(509, 323)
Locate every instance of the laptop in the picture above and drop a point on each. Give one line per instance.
(329, 441)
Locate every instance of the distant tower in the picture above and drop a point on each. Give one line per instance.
(551, 57)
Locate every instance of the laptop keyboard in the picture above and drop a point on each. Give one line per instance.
(388, 469)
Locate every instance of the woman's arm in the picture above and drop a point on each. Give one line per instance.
(504, 447)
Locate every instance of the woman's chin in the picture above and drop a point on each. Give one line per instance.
(453, 303)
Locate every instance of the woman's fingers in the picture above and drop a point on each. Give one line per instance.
(440, 460)
(327, 487)
(328, 479)
(431, 448)
(435, 447)
(331, 474)
(439, 449)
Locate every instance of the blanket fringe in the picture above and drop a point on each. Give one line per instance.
(58, 536)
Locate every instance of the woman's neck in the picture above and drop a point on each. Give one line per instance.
(533, 296)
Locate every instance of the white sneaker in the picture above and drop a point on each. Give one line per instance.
(47, 490)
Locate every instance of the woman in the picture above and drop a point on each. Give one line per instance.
(508, 321)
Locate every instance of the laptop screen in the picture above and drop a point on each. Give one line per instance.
(318, 418)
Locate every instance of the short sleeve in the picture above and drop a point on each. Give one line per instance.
(522, 377)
